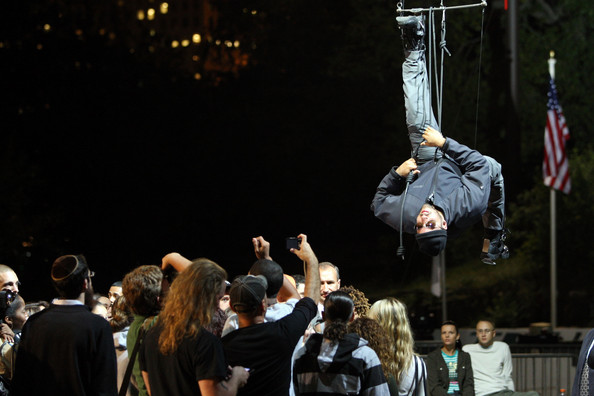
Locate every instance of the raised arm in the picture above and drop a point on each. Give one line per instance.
(175, 260)
(312, 271)
(261, 248)
(287, 291)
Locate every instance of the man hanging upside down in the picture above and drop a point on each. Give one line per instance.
(451, 186)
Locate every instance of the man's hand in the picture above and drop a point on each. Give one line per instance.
(261, 248)
(304, 252)
(240, 375)
(406, 167)
(433, 138)
(6, 333)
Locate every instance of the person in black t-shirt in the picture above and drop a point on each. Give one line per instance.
(266, 348)
(179, 356)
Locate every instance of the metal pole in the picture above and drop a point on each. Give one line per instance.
(444, 300)
(553, 204)
(399, 8)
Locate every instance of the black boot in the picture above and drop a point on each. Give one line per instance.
(412, 29)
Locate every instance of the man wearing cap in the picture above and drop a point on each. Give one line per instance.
(445, 186)
(65, 349)
(266, 348)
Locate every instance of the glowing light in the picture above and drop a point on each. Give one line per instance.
(254, 12)
(236, 44)
(78, 32)
(164, 8)
(197, 76)
(150, 13)
(39, 46)
(140, 15)
(185, 43)
(218, 42)
(195, 58)
(152, 32)
(228, 43)
(47, 27)
(174, 44)
(196, 38)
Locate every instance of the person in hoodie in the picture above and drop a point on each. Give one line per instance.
(445, 187)
(338, 362)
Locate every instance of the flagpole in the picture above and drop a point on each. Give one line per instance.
(553, 204)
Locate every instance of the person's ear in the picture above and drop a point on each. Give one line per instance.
(352, 316)
(458, 337)
(86, 284)
(8, 321)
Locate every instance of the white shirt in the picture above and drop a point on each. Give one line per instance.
(492, 367)
(273, 313)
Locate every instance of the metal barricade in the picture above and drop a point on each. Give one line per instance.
(545, 373)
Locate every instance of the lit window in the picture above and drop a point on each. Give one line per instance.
(164, 8)
(150, 13)
(196, 38)
(185, 43)
(140, 15)
(174, 44)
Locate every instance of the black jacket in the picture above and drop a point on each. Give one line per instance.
(459, 185)
(438, 379)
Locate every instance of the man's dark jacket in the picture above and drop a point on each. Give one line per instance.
(458, 184)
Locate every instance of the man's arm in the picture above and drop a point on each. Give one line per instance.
(175, 260)
(507, 368)
(229, 387)
(287, 291)
(387, 200)
(312, 271)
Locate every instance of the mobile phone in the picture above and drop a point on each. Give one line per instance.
(293, 243)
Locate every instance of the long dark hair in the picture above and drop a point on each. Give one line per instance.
(338, 311)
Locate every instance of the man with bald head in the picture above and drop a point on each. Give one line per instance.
(8, 279)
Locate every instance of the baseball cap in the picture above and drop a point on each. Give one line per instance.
(247, 292)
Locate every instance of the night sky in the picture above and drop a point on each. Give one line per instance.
(113, 147)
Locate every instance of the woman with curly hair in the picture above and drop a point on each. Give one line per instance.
(448, 367)
(406, 372)
(370, 330)
(178, 355)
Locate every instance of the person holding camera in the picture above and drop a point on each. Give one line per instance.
(266, 348)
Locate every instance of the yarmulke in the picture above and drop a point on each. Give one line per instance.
(65, 266)
(432, 242)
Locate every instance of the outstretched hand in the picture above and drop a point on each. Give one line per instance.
(305, 251)
(433, 138)
(406, 167)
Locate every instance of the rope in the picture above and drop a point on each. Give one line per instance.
(478, 84)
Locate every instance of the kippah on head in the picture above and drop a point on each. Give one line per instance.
(247, 293)
(432, 242)
(65, 266)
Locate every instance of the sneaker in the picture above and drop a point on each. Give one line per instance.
(412, 31)
(495, 248)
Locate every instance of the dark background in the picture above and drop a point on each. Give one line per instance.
(111, 147)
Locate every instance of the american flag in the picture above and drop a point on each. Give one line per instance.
(555, 165)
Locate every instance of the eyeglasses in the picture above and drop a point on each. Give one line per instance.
(431, 224)
(484, 331)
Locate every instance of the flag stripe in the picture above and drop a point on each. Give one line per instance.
(555, 165)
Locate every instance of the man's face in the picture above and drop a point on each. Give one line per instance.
(329, 282)
(9, 281)
(114, 292)
(429, 219)
(485, 334)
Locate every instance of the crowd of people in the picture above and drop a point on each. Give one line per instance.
(182, 328)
